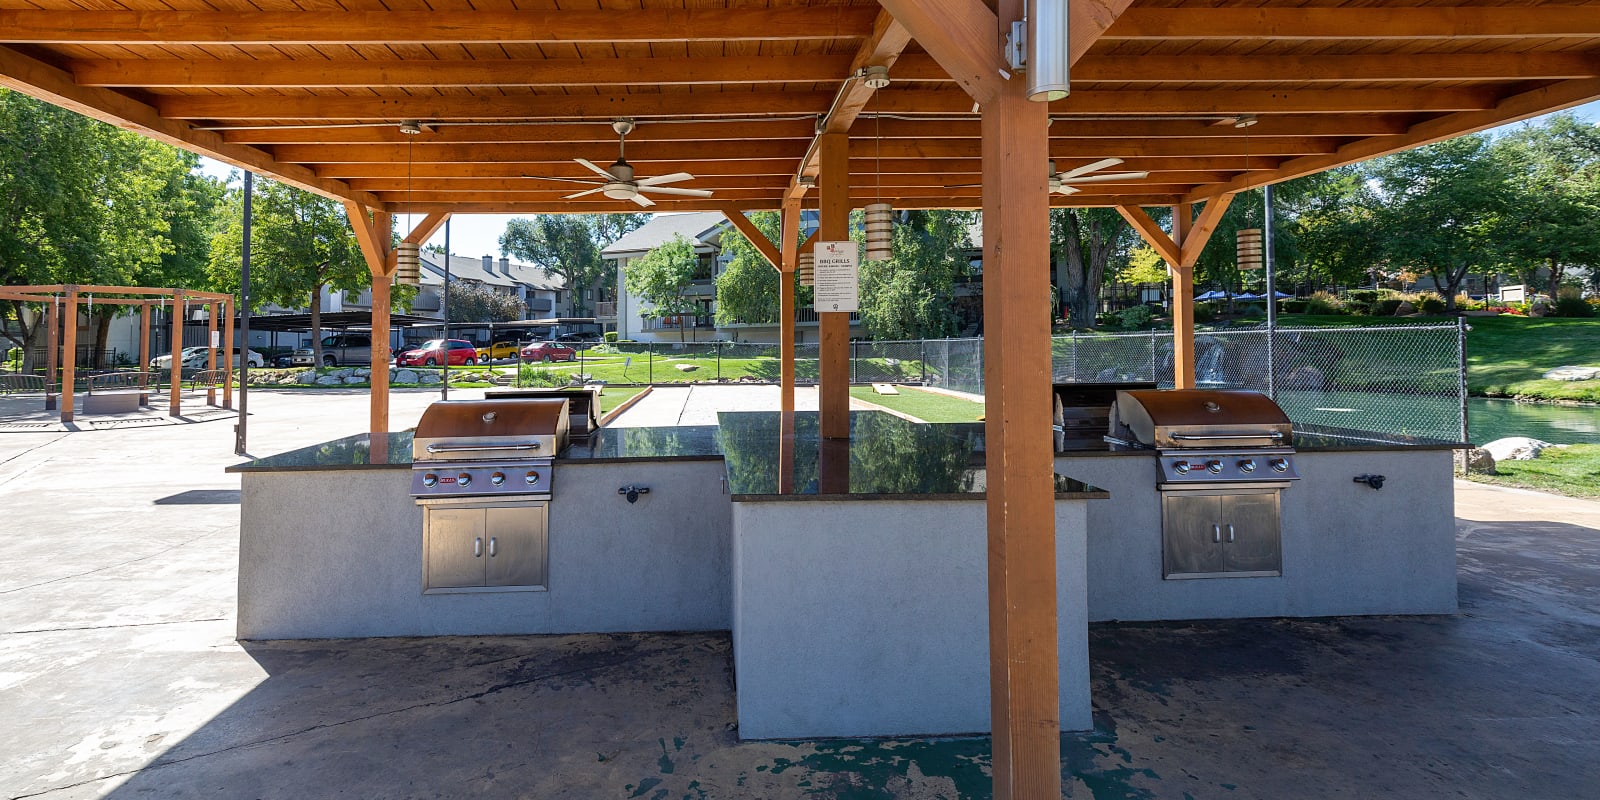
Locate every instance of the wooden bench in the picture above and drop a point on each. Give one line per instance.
(118, 392)
(22, 384)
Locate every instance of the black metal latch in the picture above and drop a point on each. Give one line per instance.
(1375, 481)
(632, 492)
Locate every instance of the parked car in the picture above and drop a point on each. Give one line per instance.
(256, 359)
(432, 353)
(340, 349)
(190, 358)
(497, 351)
(580, 336)
(548, 351)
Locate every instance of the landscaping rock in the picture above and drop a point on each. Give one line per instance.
(361, 373)
(687, 367)
(1540, 308)
(1573, 374)
(1405, 309)
(307, 377)
(1480, 462)
(405, 376)
(330, 380)
(426, 378)
(342, 373)
(353, 379)
(1516, 448)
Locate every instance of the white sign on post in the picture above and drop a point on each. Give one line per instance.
(216, 339)
(835, 277)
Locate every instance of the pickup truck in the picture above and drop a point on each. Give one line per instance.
(338, 350)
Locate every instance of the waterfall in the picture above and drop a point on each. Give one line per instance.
(1208, 367)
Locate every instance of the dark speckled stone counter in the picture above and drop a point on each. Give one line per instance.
(350, 452)
(886, 458)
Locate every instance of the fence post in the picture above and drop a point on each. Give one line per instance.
(1155, 372)
(1073, 362)
(922, 358)
(855, 355)
(1461, 372)
(650, 360)
(718, 346)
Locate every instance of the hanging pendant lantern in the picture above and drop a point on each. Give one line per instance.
(408, 264)
(880, 231)
(1249, 249)
(806, 266)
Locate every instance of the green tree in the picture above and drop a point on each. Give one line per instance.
(300, 243)
(747, 289)
(661, 276)
(474, 302)
(1441, 207)
(910, 295)
(1553, 217)
(569, 245)
(1083, 242)
(1328, 231)
(1145, 265)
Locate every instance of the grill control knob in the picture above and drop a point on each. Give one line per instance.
(532, 477)
(498, 479)
(1279, 464)
(1247, 465)
(1213, 466)
(464, 479)
(1181, 467)
(430, 480)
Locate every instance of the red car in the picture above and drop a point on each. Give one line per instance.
(548, 351)
(432, 354)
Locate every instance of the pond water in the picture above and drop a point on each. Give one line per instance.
(1488, 420)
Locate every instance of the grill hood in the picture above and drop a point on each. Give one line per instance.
(1200, 418)
(452, 430)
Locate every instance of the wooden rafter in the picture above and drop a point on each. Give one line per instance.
(544, 106)
(374, 242)
(881, 49)
(1150, 231)
(961, 36)
(411, 27)
(1408, 22)
(1194, 240)
(425, 229)
(752, 234)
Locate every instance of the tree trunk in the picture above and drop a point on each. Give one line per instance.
(1078, 302)
(316, 325)
(1555, 277)
(102, 331)
(34, 337)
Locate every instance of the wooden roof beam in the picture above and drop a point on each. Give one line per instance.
(1515, 108)
(960, 35)
(597, 131)
(752, 234)
(791, 23)
(881, 49)
(427, 228)
(712, 204)
(506, 107)
(373, 241)
(1231, 101)
(1396, 22)
(1408, 67)
(1152, 234)
(38, 79)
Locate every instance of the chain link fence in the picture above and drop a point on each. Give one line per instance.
(1394, 379)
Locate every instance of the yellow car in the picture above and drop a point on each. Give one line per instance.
(497, 351)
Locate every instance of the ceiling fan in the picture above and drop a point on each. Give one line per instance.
(619, 183)
(1061, 182)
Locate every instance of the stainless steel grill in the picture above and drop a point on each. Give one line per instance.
(483, 472)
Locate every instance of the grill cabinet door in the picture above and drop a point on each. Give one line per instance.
(515, 545)
(455, 548)
(1253, 542)
(1190, 529)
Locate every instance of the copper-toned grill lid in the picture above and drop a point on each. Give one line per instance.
(454, 423)
(1203, 418)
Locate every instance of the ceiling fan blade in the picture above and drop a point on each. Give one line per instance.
(962, 185)
(641, 200)
(675, 190)
(584, 181)
(598, 171)
(1107, 177)
(581, 194)
(1066, 189)
(660, 179)
(1101, 164)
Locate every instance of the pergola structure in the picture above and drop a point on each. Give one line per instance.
(61, 302)
(767, 103)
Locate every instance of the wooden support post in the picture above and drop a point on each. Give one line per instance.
(69, 347)
(1023, 661)
(834, 351)
(789, 248)
(174, 396)
(382, 222)
(227, 350)
(144, 352)
(52, 344)
(212, 309)
(1182, 302)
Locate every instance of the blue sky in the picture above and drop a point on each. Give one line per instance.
(479, 234)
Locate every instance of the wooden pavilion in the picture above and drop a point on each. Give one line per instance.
(768, 104)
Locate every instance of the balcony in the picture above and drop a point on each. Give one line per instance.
(605, 309)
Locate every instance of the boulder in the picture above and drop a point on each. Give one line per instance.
(1539, 308)
(330, 380)
(307, 377)
(361, 373)
(1480, 462)
(354, 379)
(687, 367)
(342, 373)
(1573, 374)
(1405, 309)
(1516, 448)
(426, 378)
(405, 376)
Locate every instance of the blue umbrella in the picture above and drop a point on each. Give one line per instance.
(1248, 296)
(1213, 295)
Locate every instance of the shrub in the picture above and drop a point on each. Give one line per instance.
(610, 337)
(1429, 303)
(1295, 306)
(1386, 307)
(537, 376)
(1324, 303)
(1569, 306)
(1135, 318)
(1253, 312)
(1367, 296)
(1205, 312)
(1358, 307)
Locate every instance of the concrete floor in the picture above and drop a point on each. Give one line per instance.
(119, 676)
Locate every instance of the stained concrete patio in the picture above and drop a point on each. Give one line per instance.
(119, 675)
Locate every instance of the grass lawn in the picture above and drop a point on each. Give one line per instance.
(662, 367)
(1573, 471)
(1507, 354)
(926, 406)
(613, 396)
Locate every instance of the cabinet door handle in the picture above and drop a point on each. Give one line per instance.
(1230, 534)
(477, 547)
(1216, 534)
(493, 539)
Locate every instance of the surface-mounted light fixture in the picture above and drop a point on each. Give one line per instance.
(875, 77)
(1245, 120)
(1047, 49)
(410, 127)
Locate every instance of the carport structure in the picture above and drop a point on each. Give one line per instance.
(768, 105)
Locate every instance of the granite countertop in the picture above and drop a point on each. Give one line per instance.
(886, 458)
(350, 452)
(1307, 439)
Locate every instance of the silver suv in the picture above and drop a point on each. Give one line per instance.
(338, 350)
